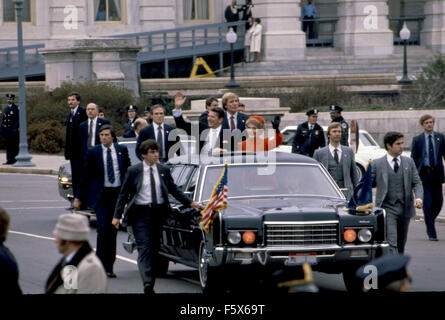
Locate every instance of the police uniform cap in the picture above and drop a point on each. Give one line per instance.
(334, 108)
(148, 109)
(390, 268)
(312, 112)
(10, 96)
(132, 108)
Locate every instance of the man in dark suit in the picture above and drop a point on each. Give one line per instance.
(89, 130)
(143, 199)
(158, 131)
(427, 151)
(399, 190)
(73, 144)
(210, 103)
(336, 116)
(309, 135)
(103, 174)
(9, 128)
(129, 125)
(233, 119)
(211, 136)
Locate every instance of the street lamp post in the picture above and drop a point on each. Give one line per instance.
(23, 158)
(231, 38)
(404, 35)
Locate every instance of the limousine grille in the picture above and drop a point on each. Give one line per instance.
(301, 234)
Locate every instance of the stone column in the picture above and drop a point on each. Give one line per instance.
(433, 33)
(282, 35)
(363, 28)
(103, 60)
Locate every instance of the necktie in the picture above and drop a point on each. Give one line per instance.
(160, 142)
(431, 151)
(232, 123)
(110, 168)
(71, 115)
(90, 135)
(336, 155)
(154, 199)
(396, 165)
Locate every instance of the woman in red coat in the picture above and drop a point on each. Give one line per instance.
(256, 141)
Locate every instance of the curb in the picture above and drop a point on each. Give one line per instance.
(30, 171)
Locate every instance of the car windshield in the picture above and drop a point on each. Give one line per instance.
(270, 180)
(288, 136)
(367, 140)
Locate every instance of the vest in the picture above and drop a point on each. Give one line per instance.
(336, 170)
(396, 190)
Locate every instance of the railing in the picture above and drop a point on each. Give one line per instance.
(414, 24)
(33, 61)
(193, 41)
(327, 38)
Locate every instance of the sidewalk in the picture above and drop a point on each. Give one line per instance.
(49, 164)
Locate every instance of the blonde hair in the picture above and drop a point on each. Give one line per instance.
(227, 96)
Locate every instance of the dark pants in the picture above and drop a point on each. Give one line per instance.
(146, 224)
(310, 25)
(76, 170)
(106, 232)
(12, 147)
(432, 199)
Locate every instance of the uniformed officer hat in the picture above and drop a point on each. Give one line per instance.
(334, 108)
(390, 268)
(10, 96)
(148, 109)
(312, 112)
(132, 108)
(292, 279)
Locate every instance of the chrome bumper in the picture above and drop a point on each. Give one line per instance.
(312, 255)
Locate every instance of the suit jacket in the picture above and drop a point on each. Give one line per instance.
(73, 145)
(306, 141)
(93, 174)
(129, 128)
(203, 133)
(132, 185)
(149, 133)
(9, 273)
(348, 165)
(10, 121)
(240, 121)
(418, 153)
(83, 132)
(411, 182)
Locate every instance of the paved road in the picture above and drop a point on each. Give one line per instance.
(34, 205)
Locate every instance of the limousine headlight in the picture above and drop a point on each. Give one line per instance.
(234, 237)
(364, 235)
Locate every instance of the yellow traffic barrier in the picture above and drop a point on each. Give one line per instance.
(210, 73)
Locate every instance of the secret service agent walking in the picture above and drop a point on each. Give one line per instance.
(337, 117)
(309, 135)
(398, 190)
(427, 151)
(145, 191)
(9, 128)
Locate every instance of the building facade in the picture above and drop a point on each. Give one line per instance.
(356, 27)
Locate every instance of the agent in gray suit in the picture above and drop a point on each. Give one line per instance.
(396, 178)
(338, 160)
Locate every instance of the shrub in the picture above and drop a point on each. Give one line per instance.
(47, 136)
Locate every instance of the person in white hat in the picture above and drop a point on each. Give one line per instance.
(80, 270)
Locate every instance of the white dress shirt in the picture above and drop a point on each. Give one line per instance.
(212, 137)
(390, 159)
(93, 138)
(144, 195)
(235, 117)
(331, 150)
(117, 174)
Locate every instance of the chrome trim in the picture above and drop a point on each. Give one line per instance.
(302, 222)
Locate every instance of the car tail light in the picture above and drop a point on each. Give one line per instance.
(249, 237)
(350, 235)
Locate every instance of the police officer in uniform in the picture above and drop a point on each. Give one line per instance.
(337, 117)
(9, 128)
(129, 126)
(309, 135)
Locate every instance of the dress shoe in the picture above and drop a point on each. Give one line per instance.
(111, 275)
(148, 289)
(433, 239)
